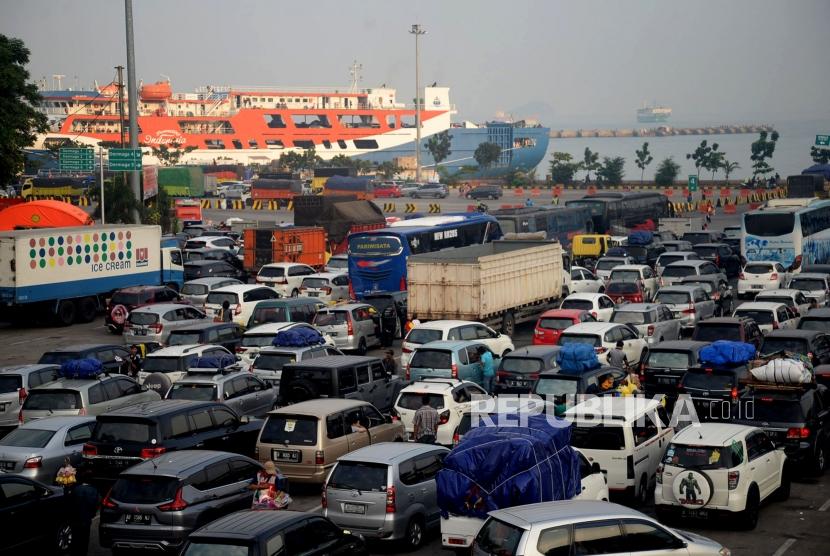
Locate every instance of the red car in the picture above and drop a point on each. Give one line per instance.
(388, 190)
(622, 292)
(551, 324)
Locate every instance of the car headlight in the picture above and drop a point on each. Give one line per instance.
(725, 551)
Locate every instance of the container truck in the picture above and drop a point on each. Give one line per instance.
(293, 244)
(64, 275)
(499, 283)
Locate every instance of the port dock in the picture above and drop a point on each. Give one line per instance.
(661, 131)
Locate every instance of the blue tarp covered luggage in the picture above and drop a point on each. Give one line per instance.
(298, 337)
(726, 353)
(640, 238)
(214, 361)
(81, 368)
(503, 466)
(576, 358)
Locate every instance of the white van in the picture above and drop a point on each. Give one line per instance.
(626, 436)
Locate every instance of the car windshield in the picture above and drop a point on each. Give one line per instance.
(665, 260)
(557, 386)
(709, 381)
(673, 298)
(773, 410)
(414, 400)
(758, 315)
(521, 365)
(360, 476)
(708, 286)
(792, 345)
(608, 264)
(274, 361)
(551, 323)
(195, 392)
(807, 284)
(431, 359)
(143, 318)
(812, 323)
(694, 238)
(423, 336)
(598, 437)
(52, 399)
(144, 490)
(290, 430)
(705, 332)
(336, 262)
(630, 317)
(706, 251)
(126, 431)
(625, 275)
(783, 300)
(195, 289)
(583, 304)
(266, 315)
(27, 438)
(316, 283)
(669, 359)
(587, 339)
(164, 364)
(704, 457)
(497, 538)
(271, 272)
(622, 287)
(679, 271)
(58, 357)
(758, 268)
(127, 298)
(10, 383)
(219, 298)
(331, 318)
(257, 340)
(218, 548)
(183, 337)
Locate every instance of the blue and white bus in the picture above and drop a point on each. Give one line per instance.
(779, 231)
(377, 258)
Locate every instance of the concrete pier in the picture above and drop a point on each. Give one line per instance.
(661, 131)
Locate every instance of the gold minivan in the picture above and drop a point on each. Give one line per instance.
(305, 439)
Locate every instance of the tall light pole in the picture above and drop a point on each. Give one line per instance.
(132, 98)
(417, 31)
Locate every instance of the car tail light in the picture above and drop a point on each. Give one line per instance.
(324, 500)
(150, 453)
(89, 450)
(638, 298)
(732, 479)
(402, 284)
(775, 326)
(394, 414)
(21, 395)
(600, 349)
(594, 314)
(690, 310)
(444, 417)
(390, 500)
(407, 371)
(538, 332)
(327, 290)
(741, 276)
(650, 331)
(282, 281)
(659, 474)
(734, 393)
(773, 276)
(502, 374)
(239, 349)
(33, 463)
(157, 327)
(405, 350)
(798, 432)
(177, 505)
(237, 309)
(717, 260)
(454, 370)
(107, 501)
(351, 291)
(349, 325)
(319, 457)
(456, 438)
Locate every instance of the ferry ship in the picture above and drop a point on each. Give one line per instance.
(232, 124)
(653, 114)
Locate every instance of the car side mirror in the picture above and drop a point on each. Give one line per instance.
(387, 419)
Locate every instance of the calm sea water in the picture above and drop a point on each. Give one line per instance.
(792, 152)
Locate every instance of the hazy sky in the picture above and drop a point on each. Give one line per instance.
(566, 62)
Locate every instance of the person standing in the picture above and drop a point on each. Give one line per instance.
(134, 361)
(225, 314)
(488, 368)
(425, 423)
(85, 506)
(617, 357)
(389, 364)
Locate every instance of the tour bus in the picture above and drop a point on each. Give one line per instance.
(612, 209)
(560, 223)
(779, 231)
(377, 258)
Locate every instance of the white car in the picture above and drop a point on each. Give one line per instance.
(262, 336)
(626, 436)
(814, 285)
(328, 287)
(585, 281)
(242, 299)
(673, 257)
(211, 242)
(603, 336)
(795, 299)
(600, 305)
(711, 468)
(434, 330)
(635, 273)
(606, 264)
(760, 275)
(450, 397)
(196, 291)
(768, 316)
(338, 263)
(285, 278)
(165, 366)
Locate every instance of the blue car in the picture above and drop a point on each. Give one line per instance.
(448, 359)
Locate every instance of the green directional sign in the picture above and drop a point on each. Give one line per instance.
(125, 160)
(77, 160)
(693, 185)
(823, 140)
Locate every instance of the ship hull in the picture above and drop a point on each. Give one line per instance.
(652, 118)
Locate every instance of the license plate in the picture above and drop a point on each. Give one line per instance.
(333, 334)
(291, 456)
(314, 294)
(137, 519)
(354, 508)
(757, 287)
(666, 380)
(7, 465)
(516, 383)
(139, 332)
(695, 513)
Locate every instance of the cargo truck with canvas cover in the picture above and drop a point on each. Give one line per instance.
(65, 274)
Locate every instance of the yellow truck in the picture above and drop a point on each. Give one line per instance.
(589, 247)
(59, 186)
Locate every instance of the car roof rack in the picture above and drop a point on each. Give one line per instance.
(448, 381)
(213, 371)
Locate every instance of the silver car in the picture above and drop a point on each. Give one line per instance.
(94, 396)
(690, 304)
(153, 323)
(356, 491)
(351, 326)
(196, 291)
(654, 322)
(243, 392)
(37, 450)
(15, 384)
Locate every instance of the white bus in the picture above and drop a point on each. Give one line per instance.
(779, 230)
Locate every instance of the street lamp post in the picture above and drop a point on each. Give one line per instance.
(417, 31)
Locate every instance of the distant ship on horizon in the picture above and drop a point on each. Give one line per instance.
(654, 113)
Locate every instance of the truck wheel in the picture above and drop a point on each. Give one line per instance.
(508, 324)
(87, 308)
(66, 312)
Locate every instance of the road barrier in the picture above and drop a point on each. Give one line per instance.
(434, 208)
(389, 207)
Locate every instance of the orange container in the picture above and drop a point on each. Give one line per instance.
(305, 245)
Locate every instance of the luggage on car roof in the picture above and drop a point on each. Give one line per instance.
(724, 352)
(577, 358)
(81, 368)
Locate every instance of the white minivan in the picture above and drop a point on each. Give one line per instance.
(626, 436)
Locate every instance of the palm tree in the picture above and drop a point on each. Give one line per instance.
(119, 199)
(728, 168)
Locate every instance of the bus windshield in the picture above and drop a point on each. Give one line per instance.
(769, 224)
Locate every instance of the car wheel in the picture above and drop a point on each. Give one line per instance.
(414, 533)
(63, 538)
(361, 347)
(820, 460)
(783, 491)
(641, 496)
(748, 518)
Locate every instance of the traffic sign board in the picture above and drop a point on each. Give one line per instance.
(823, 140)
(79, 160)
(125, 160)
(693, 183)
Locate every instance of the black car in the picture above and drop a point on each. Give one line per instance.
(736, 329)
(809, 343)
(816, 319)
(212, 254)
(34, 516)
(702, 236)
(388, 305)
(127, 436)
(225, 334)
(796, 417)
(519, 369)
(715, 391)
(562, 388)
(486, 192)
(105, 353)
(645, 254)
(722, 255)
(666, 364)
(718, 288)
(258, 533)
(209, 269)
